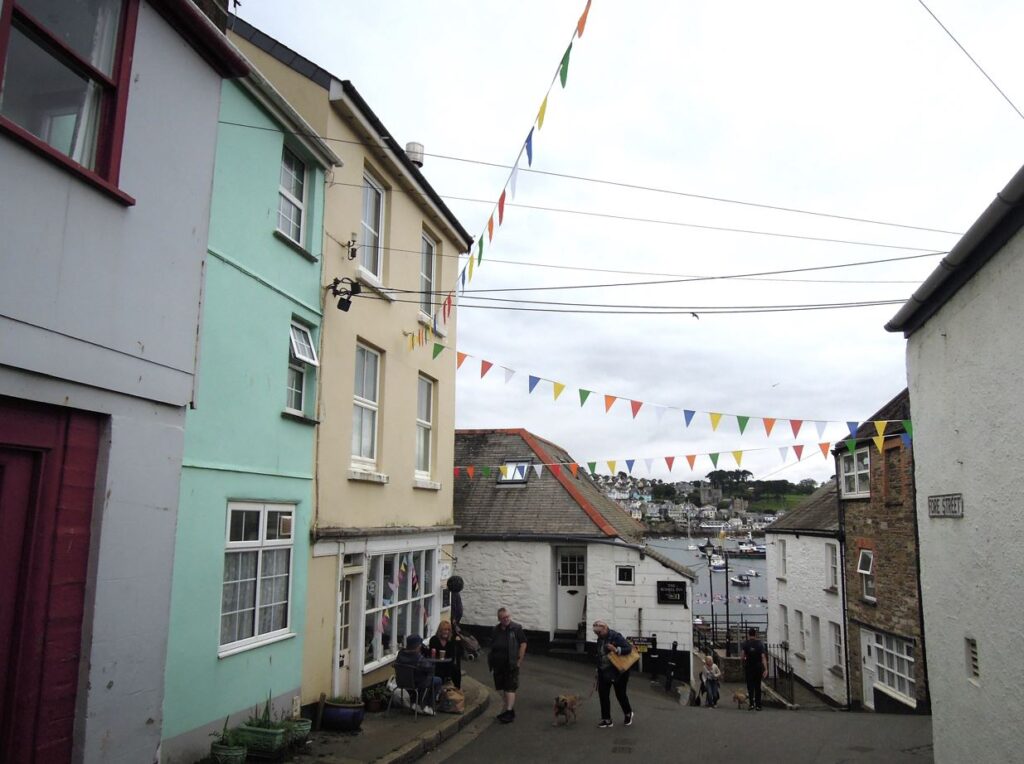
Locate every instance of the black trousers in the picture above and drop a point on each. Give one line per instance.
(754, 689)
(604, 687)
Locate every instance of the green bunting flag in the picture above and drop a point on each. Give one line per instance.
(438, 348)
(714, 459)
(563, 72)
(593, 467)
(908, 427)
(584, 394)
(742, 422)
(480, 250)
(851, 444)
(485, 471)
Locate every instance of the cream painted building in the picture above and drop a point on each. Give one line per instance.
(383, 526)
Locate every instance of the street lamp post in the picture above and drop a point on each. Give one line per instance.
(709, 549)
(728, 623)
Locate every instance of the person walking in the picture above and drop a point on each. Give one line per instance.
(711, 677)
(755, 666)
(608, 642)
(508, 647)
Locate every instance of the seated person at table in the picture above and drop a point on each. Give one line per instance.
(411, 655)
(451, 647)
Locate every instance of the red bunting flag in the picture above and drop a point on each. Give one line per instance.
(457, 471)
(470, 471)
(555, 468)
(799, 451)
(796, 424)
(635, 405)
(670, 460)
(609, 401)
(501, 207)
(461, 357)
(691, 458)
(583, 20)
(485, 366)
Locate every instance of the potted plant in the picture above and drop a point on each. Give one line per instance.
(297, 730)
(261, 734)
(227, 748)
(375, 697)
(343, 713)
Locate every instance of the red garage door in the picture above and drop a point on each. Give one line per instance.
(47, 475)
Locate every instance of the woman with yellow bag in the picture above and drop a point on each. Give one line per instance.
(615, 657)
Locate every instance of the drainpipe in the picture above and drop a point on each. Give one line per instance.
(842, 563)
(920, 594)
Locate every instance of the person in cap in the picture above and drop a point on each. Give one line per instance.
(428, 686)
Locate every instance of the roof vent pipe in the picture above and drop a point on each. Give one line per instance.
(415, 153)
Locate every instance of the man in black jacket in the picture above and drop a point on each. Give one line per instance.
(508, 646)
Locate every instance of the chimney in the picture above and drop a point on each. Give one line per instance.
(414, 151)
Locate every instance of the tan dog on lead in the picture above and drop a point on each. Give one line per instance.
(565, 706)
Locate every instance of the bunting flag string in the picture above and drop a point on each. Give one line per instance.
(659, 409)
(612, 464)
(561, 75)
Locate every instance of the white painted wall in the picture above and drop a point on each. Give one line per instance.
(964, 368)
(802, 588)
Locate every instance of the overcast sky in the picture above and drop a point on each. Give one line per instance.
(859, 109)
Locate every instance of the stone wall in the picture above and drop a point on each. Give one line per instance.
(513, 574)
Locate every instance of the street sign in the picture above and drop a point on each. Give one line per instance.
(671, 592)
(642, 644)
(946, 505)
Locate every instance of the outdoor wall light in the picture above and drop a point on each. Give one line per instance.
(345, 295)
(352, 247)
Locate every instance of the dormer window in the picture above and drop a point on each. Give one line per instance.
(513, 471)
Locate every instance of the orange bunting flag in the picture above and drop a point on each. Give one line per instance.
(485, 366)
(558, 388)
(824, 449)
(768, 425)
(799, 451)
(470, 471)
(490, 230)
(880, 427)
(609, 401)
(691, 458)
(796, 424)
(738, 456)
(541, 113)
(611, 466)
(715, 419)
(574, 469)
(670, 460)
(635, 405)
(501, 207)
(583, 20)
(879, 440)
(460, 357)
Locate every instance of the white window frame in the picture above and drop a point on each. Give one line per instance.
(368, 404)
(372, 254)
(861, 477)
(832, 566)
(428, 248)
(866, 570)
(837, 643)
(800, 630)
(512, 466)
(619, 569)
(425, 560)
(260, 545)
(287, 195)
(894, 661)
(425, 425)
(782, 557)
(301, 353)
(784, 612)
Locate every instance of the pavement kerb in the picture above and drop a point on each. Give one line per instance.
(428, 741)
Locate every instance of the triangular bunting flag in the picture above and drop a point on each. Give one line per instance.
(768, 425)
(583, 20)
(459, 358)
(593, 467)
(880, 427)
(691, 458)
(438, 347)
(471, 261)
(485, 471)
(412, 341)
(649, 464)
(540, 114)
(635, 406)
(824, 449)
(479, 250)
(609, 401)
(670, 460)
(501, 207)
(799, 451)
(879, 441)
(529, 148)
(738, 456)
(853, 428)
(629, 465)
(820, 427)
(557, 389)
(533, 382)
(509, 373)
(556, 469)
(784, 452)
(909, 427)
(688, 416)
(490, 234)
(521, 471)
(457, 471)
(851, 445)
(538, 469)
(513, 178)
(905, 437)
(714, 460)
(659, 413)
(741, 421)
(563, 71)
(584, 394)
(470, 471)
(715, 419)
(462, 278)
(485, 366)
(503, 469)
(574, 469)
(611, 466)
(796, 424)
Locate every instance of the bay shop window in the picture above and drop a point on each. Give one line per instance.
(400, 600)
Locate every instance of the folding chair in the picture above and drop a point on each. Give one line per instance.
(405, 678)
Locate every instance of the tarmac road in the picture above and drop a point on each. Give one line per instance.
(666, 730)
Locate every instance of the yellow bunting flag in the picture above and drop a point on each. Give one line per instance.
(879, 440)
(504, 471)
(558, 388)
(768, 425)
(609, 401)
(412, 342)
(471, 269)
(542, 112)
(611, 466)
(715, 419)
(880, 428)
(738, 456)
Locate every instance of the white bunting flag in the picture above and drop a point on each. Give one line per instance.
(784, 452)
(538, 468)
(509, 373)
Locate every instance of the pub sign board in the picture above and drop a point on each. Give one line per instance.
(642, 644)
(946, 505)
(671, 592)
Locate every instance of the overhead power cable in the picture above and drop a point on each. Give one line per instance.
(619, 184)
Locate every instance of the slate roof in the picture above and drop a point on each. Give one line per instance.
(818, 515)
(551, 505)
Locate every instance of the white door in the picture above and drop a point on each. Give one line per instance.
(571, 587)
(343, 669)
(867, 667)
(814, 656)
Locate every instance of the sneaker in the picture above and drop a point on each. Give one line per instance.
(427, 710)
(506, 716)
(758, 708)
(606, 723)
(629, 719)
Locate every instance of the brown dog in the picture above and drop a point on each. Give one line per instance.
(565, 706)
(740, 697)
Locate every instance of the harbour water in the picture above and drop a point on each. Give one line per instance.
(743, 600)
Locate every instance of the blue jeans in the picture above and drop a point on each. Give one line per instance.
(711, 685)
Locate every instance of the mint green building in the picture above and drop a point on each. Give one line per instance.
(242, 543)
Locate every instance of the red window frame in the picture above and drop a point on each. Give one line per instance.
(110, 135)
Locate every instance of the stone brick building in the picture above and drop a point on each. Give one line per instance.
(885, 632)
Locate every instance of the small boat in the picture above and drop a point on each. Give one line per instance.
(762, 599)
(741, 580)
(753, 573)
(717, 564)
(692, 548)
